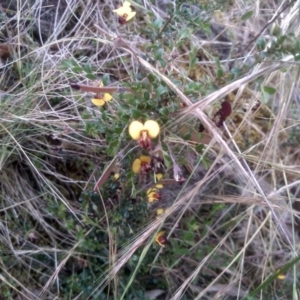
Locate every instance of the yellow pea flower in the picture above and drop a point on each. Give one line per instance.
(153, 195)
(161, 211)
(158, 178)
(116, 176)
(125, 12)
(281, 276)
(100, 100)
(141, 164)
(160, 239)
(143, 133)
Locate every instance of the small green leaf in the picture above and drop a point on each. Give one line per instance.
(77, 69)
(91, 76)
(236, 72)
(162, 63)
(118, 130)
(113, 144)
(164, 111)
(159, 53)
(218, 63)
(146, 96)
(199, 148)
(151, 78)
(187, 136)
(179, 43)
(206, 163)
(261, 43)
(66, 64)
(106, 79)
(206, 27)
(75, 63)
(104, 116)
(135, 113)
(176, 82)
(270, 90)
(275, 30)
(297, 45)
(265, 97)
(167, 161)
(160, 90)
(193, 62)
(247, 15)
(157, 23)
(184, 33)
(125, 118)
(87, 68)
(220, 73)
(281, 39)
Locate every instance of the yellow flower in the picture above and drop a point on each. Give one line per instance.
(143, 133)
(116, 176)
(281, 276)
(160, 239)
(141, 164)
(136, 129)
(153, 195)
(161, 211)
(125, 12)
(100, 100)
(158, 178)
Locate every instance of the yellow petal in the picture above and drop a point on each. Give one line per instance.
(160, 211)
(136, 166)
(121, 11)
(116, 176)
(281, 277)
(135, 129)
(145, 158)
(158, 176)
(151, 191)
(152, 195)
(159, 234)
(98, 102)
(130, 16)
(126, 3)
(152, 127)
(158, 238)
(159, 186)
(107, 97)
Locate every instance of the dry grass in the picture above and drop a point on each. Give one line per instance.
(231, 226)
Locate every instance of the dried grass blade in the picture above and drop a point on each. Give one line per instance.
(106, 173)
